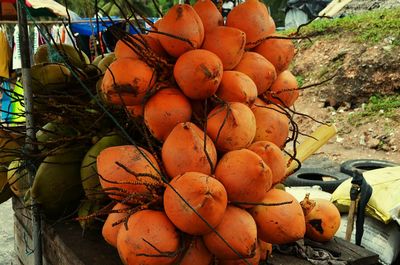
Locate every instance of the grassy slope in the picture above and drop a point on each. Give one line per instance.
(369, 27)
(372, 26)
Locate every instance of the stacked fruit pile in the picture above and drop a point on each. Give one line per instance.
(221, 121)
(206, 108)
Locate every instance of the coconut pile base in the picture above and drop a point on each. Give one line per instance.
(60, 245)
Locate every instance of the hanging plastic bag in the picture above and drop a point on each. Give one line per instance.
(12, 107)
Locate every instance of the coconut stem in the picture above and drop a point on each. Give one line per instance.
(307, 204)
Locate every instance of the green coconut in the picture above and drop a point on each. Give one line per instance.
(5, 193)
(92, 71)
(100, 57)
(18, 178)
(27, 198)
(89, 176)
(60, 53)
(106, 61)
(100, 94)
(3, 177)
(10, 145)
(57, 185)
(51, 132)
(85, 209)
(47, 77)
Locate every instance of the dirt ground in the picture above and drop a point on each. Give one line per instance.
(351, 142)
(360, 71)
(356, 6)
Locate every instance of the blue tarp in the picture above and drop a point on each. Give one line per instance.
(87, 28)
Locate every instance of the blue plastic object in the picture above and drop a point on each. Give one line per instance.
(89, 27)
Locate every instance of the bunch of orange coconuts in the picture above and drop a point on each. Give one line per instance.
(221, 123)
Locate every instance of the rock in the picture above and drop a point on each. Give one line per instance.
(374, 143)
(362, 140)
(385, 147)
(345, 106)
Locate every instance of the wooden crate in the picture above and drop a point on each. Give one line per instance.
(63, 242)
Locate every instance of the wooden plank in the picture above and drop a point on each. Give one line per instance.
(17, 261)
(310, 145)
(349, 252)
(56, 251)
(22, 243)
(334, 7)
(88, 249)
(23, 214)
(61, 242)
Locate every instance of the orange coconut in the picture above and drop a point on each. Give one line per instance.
(231, 126)
(272, 124)
(238, 230)
(121, 166)
(205, 194)
(284, 91)
(237, 87)
(279, 52)
(279, 224)
(185, 150)
(164, 110)
(255, 260)
(147, 234)
(111, 228)
(196, 253)
(183, 28)
(322, 218)
(273, 157)
(209, 14)
(257, 23)
(259, 69)
(121, 88)
(198, 73)
(227, 43)
(245, 176)
(134, 46)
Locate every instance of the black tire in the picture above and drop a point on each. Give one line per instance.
(315, 176)
(349, 166)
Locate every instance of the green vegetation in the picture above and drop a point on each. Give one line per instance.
(371, 26)
(300, 80)
(377, 107)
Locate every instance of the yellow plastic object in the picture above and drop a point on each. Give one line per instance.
(385, 196)
(318, 138)
(5, 56)
(19, 107)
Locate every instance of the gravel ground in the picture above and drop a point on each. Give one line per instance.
(356, 6)
(6, 233)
